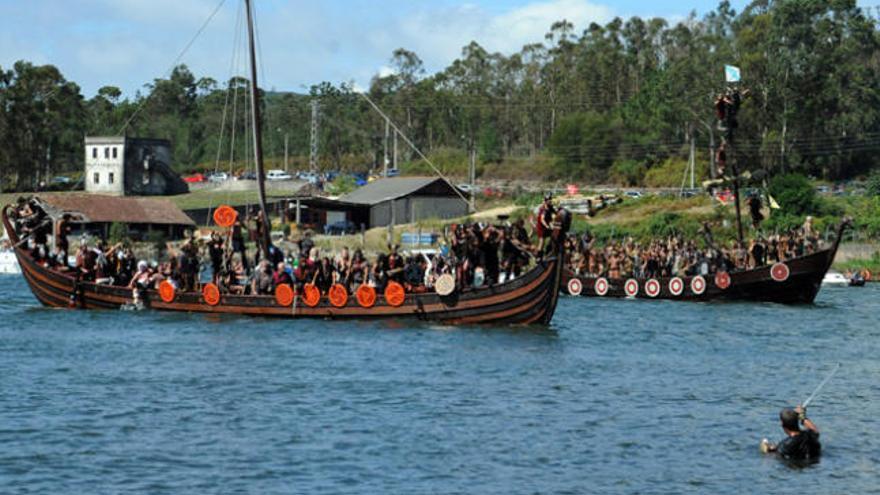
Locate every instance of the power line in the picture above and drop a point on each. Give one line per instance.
(174, 64)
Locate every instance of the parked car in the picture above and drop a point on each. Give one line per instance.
(60, 179)
(219, 177)
(195, 178)
(278, 175)
(633, 194)
(248, 176)
(340, 228)
(360, 179)
(468, 188)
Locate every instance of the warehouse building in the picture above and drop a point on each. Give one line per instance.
(399, 200)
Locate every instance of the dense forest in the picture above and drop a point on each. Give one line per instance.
(614, 103)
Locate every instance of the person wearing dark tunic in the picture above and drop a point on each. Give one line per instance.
(215, 252)
(323, 278)
(62, 230)
(799, 444)
(489, 246)
(238, 245)
(755, 206)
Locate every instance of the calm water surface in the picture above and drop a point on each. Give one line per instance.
(615, 397)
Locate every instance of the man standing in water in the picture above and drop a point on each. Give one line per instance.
(798, 444)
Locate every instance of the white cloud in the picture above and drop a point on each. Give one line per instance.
(128, 43)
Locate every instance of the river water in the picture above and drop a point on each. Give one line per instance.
(615, 397)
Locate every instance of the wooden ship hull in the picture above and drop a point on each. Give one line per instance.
(795, 281)
(529, 299)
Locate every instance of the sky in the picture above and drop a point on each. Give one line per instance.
(128, 43)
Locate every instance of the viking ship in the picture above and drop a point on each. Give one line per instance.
(794, 281)
(528, 299)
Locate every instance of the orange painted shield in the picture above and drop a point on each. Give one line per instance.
(284, 295)
(394, 294)
(366, 296)
(224, 216)
(311, 295)
(211, 294)
(166, 291)
(338, 295)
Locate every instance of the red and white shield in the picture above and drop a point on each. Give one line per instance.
(631, 287)
(722, 280)
(575, 287)
(601, 286)
(676, 286)
(780, 272)
(698, 285)
(652, 288)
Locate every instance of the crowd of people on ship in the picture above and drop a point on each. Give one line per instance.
(475, 254)
(676, 256)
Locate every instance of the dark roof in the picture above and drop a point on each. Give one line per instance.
(101, 209)
(397, 187)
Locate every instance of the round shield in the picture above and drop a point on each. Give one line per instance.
(575, 287)
(166, 291)
(722, 280)
(225, 216)
(698, 285)
(338, 295)
(631, 287)
(211, 294)
(676, 286)
(780, 272)
(284, 295)
(445, 284)
(366, 296)
(601, 286)
(652, 288)
(395, 295)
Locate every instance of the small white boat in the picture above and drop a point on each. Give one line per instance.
(8, 263)
(835, 279)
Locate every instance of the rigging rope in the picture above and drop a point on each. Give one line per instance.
(413, 146)
(174, 64)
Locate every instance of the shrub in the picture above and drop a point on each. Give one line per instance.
(118, 232)
(628, 172)
(873, 186)
(795, 195)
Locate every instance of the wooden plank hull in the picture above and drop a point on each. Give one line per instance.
(800, 287)
(530, 299)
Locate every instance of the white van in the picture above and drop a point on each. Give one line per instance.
(278, 175)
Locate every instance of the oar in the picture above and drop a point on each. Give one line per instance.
(813, 395)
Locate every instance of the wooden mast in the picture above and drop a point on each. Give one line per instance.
(258, 140)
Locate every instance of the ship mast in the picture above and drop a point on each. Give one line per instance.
(258, 141)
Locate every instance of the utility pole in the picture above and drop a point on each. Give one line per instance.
(286, 154)
(385, 149)
(693, 158)
(395, 150)
(313, 156)
(472, 172)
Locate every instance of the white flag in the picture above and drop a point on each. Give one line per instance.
(731, 73)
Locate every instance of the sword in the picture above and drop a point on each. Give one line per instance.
(810, 398)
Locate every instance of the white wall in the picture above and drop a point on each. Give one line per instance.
(100, 162)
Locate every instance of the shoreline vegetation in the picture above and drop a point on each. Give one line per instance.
(619, 103)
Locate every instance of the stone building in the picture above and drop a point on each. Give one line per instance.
(130, 166)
